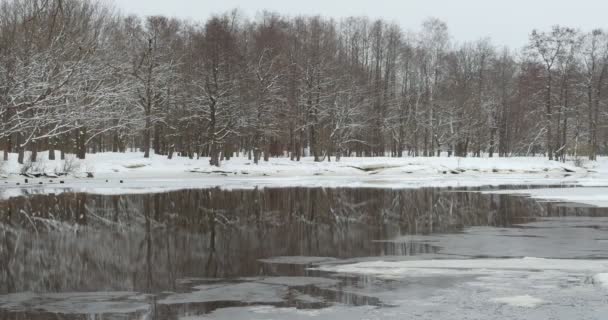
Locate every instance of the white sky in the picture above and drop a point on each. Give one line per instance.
(507, 22)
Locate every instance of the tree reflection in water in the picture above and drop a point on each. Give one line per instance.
(150, 243)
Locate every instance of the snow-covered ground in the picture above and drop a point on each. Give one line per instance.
(134, 164)
(140, 175)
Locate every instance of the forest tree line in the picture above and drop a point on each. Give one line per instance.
(79, 77)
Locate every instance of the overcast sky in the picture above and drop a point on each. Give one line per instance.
(507, 22)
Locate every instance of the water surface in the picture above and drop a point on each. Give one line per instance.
(245, 253)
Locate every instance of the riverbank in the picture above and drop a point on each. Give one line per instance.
(117, 173)
(133, 163)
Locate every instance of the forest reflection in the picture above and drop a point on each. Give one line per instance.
(149, 243)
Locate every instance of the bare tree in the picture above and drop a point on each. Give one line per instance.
(76, 76)
(153, 68)
(549, 46)
(595, 64)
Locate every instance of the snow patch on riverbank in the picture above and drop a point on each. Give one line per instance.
(128, 173)
(133, 163)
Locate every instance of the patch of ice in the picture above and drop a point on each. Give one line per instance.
(306, 298)
(525, 301)
(299, 260)
(468, 266)
(269, 312)
(298, 281)
(248, 292)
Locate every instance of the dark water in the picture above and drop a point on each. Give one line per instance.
(130, 256)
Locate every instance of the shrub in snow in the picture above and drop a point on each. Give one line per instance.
(89, 167)
(579, 162)
(30, 166)
(70, 165)
(3, 172)
(26, 167)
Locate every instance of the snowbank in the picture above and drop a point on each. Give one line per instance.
(122, 173)
(127, 173)
(134, 162)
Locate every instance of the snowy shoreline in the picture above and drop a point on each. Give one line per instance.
(127, 173)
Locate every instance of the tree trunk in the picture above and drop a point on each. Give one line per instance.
(267, 153)
(170, 153)
(34, 151)
(115, 142)
(7, 148)
(549, 119)
(51, 148)
(81, 148)
(147, 133)
(214, 155)
(157, 135)
(256, 155)
(492, 142)
(20, 149)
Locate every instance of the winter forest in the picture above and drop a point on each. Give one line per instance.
(79, 77)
